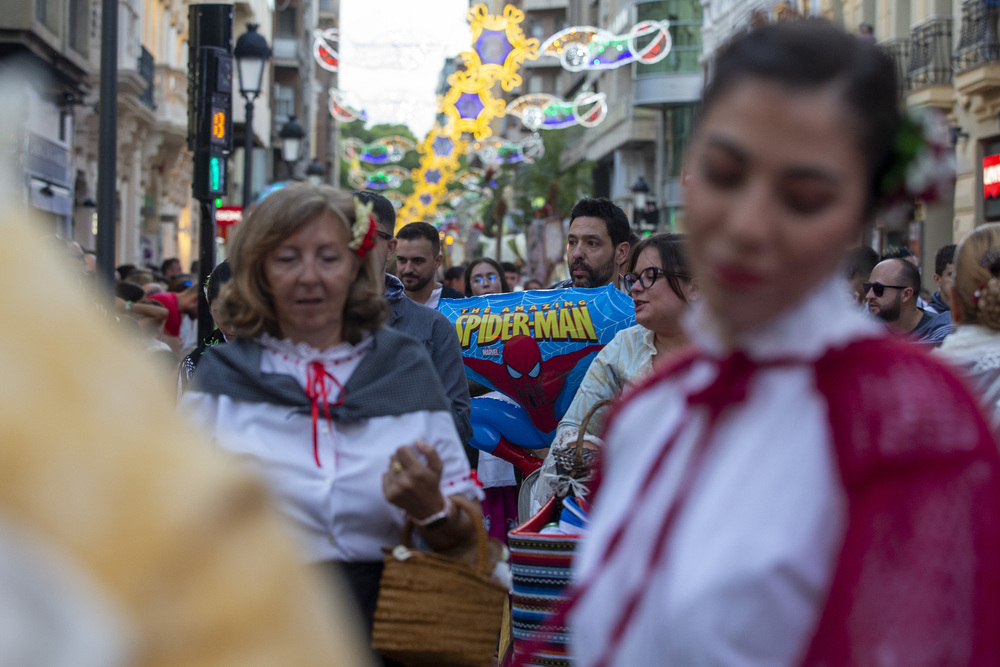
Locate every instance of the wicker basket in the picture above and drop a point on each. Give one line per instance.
(435, 610)
(542, 565)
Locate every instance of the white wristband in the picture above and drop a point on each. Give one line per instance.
(433, 518)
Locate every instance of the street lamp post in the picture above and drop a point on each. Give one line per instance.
(291, 135)
(314, 172)
(640, 194)
(251, 55)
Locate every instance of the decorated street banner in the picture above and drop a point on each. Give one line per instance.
(533, 349)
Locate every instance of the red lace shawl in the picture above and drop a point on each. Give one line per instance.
(917, 581)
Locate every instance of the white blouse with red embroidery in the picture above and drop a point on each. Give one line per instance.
(741, 574)
(329, 480)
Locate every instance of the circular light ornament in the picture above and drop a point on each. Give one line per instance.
(585, 47)
(324, 50)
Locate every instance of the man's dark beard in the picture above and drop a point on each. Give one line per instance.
(419, 286)
(892, 313)
(594, 278)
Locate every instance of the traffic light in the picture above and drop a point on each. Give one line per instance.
(210, 98)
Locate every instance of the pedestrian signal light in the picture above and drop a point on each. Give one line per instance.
(214, 174)
(219, 126)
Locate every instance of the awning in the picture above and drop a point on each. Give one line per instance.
(52, 198)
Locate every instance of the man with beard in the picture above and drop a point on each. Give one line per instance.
(892, 297)
(418, 257)
(428, 326)
(597, 244)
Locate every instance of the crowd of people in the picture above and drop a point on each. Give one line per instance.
(800, 462)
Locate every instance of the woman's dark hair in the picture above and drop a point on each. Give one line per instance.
(129, 291)
(504, 287)
(673, 259)
(219, 277)
(812, 54)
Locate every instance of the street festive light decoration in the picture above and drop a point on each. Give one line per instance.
(469, 104)
(387, 150)
(541, 111)
(389, 178)
(397, 199)
(504, 151)
(324, 50)
(343, 111)
(439, 163)
(499, 48)
(584, 47)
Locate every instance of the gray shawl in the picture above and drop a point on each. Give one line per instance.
(395, 377)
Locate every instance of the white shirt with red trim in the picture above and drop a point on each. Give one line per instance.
(747, 565)
(338, 506)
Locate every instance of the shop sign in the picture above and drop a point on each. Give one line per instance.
(230, 215)
(991, 176)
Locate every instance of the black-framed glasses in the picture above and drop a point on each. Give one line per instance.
(878, 288)
(647, 277)
(487, 279)
(385, 236)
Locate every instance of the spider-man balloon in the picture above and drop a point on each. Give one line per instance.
(534, 349)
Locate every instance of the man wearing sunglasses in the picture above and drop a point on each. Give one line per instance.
(424, 324)
(891, 294)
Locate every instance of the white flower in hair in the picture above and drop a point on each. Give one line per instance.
(363, 231)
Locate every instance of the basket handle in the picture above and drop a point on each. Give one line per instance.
(578, 456)
(482, 537)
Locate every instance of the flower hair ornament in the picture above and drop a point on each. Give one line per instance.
(923, 164)
(364, 229)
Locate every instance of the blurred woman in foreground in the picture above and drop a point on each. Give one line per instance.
(800, 489)
(346, 419)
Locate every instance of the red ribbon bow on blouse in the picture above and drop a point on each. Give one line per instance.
(316, 390)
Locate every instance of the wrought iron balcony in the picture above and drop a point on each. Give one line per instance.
(146, 71)
(930, 53)
(898, 48)
(977, 41)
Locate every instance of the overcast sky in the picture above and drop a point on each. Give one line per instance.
(391, 56)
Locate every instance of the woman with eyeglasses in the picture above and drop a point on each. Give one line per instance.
(485, 276)
(799, 488)
(662, 290)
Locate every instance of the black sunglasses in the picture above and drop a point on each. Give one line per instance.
(879, 288)
(647, 277)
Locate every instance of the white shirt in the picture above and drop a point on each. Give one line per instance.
(338, 507)
(750, 557)
(434, 299)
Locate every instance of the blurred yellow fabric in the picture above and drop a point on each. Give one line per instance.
(95, 461)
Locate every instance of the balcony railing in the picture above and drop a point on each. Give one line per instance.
(977, 41)
(930, 53)
(171, 97)
(898, 48)
(146, 71)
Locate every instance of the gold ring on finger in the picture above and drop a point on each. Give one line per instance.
(396, 466)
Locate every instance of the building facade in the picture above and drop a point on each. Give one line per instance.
(650, 109)
(48, 54)
(948, 59)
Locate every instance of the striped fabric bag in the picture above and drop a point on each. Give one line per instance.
(541, 565)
